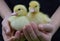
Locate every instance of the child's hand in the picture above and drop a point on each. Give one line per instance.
(42, 32)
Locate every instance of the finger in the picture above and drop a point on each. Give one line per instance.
(34, 26)
(5, 37)
(6, 27)
(39, 34)
(10, 34)
(26, 34)
(12, 38)
(45, 27)
(31, 33)
(16, 37)
(23, 37)
(18, 34)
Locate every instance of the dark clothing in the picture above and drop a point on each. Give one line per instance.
(47, 6)
(1, 38)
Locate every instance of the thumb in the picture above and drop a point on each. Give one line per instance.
(44, 37)
(45, 27)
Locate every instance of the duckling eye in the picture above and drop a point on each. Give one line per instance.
(35, 6)
(19, 9)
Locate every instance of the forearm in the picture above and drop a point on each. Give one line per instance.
(4, 9)
(56, 20)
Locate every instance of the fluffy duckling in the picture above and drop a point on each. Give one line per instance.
(35, 15)
(19, 19)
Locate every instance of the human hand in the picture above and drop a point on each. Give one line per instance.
(10, 34)
(42, 32)
(7, 32)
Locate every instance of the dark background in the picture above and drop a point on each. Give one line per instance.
(47, 6)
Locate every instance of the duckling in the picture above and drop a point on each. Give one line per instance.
(35, 15)
(18, 19)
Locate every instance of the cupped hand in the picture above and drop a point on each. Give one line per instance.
(10, 34)
(7, 32)
(41, 32)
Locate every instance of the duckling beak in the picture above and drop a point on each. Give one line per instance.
(32, 10)
(14, 13)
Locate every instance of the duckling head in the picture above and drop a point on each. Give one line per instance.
(20, 10)
(34, 6)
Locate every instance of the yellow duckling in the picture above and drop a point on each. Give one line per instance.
(19, 19)
(35, 15)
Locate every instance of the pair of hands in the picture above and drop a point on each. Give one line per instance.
(32, 32)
